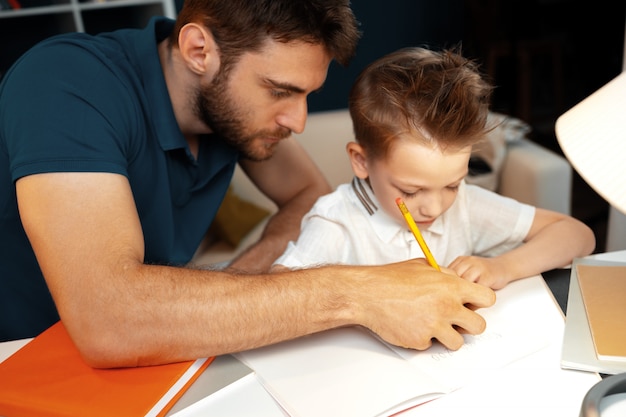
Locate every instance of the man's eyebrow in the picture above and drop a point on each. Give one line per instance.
(287, 86)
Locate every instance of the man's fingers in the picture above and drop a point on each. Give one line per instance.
(451, 338)
(469, 323)
(480, 296)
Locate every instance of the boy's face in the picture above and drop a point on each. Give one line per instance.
(426, 178)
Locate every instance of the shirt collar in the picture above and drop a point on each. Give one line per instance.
(383, 224)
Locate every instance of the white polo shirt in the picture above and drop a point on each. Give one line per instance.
(348, 227)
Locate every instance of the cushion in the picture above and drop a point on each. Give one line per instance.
(489, 154)
(235, 218)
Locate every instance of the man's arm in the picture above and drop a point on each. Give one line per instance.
(293, 181)
(121, 312)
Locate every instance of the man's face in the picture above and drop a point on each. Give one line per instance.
(262, 99)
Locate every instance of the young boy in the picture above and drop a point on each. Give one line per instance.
(416, 115)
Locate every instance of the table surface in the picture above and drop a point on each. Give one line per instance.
(534, 384)
(544, 382)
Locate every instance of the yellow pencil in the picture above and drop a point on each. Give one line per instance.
(416, 233)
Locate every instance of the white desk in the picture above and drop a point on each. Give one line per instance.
(534, 385)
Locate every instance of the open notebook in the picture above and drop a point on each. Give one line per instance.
(350, 372)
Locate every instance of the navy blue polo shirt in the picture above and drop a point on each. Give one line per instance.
(81, 103)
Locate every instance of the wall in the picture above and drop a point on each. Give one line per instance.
(388, 26)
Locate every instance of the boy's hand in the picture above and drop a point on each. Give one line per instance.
(489, 272)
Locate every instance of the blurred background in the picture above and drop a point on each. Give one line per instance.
(543, 56)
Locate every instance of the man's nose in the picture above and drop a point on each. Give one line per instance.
(294, 116)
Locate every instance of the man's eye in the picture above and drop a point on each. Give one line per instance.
(280, 93)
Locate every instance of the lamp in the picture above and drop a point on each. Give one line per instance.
(606, 397)
(592, 135)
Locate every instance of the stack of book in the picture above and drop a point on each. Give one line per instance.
(595, 336)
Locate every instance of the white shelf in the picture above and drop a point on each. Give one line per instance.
(36, 11)
(167, 7)
(20, 29)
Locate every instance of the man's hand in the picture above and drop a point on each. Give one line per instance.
(409, 304)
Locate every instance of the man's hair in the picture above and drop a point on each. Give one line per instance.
(439, 97)
(240, 26)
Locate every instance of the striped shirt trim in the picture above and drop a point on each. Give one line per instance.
(363, 196)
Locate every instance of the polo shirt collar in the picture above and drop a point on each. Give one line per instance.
(159, 103)
(383, 224)
(214, 153)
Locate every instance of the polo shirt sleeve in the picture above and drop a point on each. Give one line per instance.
(498, 223)
(64, 117)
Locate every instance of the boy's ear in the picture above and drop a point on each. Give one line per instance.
(358, 159)
(198, 49)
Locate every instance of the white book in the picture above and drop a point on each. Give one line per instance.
(226, 371)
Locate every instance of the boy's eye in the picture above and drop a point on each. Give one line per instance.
(406, 194)
(453, 187)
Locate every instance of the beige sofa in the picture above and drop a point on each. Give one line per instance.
(528, 173)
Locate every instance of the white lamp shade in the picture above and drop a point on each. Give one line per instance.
(592, 135)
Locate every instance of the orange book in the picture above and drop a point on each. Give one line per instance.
(47, 377)
(603, 289)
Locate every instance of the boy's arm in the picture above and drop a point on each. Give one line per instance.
(553, 241)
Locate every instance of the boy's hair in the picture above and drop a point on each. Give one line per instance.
(439, 97)
(240, 26)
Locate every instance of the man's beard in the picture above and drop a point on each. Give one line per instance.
(217, 109)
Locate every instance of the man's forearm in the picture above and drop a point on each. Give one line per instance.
(191, 314)
(280, 229)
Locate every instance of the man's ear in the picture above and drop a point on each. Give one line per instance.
(198, 49)
(358, 159)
